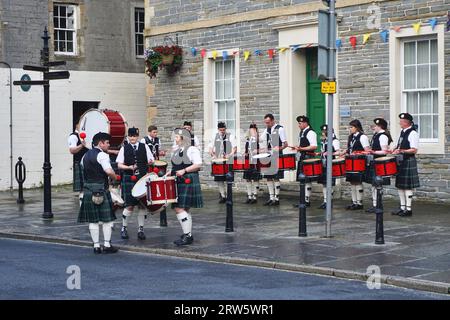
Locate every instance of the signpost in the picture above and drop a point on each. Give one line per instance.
(327, 73)
(47, 76)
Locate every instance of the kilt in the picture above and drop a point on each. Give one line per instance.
(77, 176)
(323, 178)
(127, 185)
(189, 195)
(355, 177)
(220, 178)
(408, 176)
(278, 176)
(252, 173)
(369, 176)
(92, 213)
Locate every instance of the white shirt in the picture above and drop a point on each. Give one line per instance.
(384, 140)
(102, 159)
(413, 139)
(193, 154)
(72, 141)
(311, 136)
(213, 141)
(364, 140)
(281, 133)
(336, 145)
(121, 156)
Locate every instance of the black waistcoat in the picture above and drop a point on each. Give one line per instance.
(180, 160)
(269, 134)
(78, 156)
(93, 171)
(403, 142)
(138, 157)
(154, 146)
(354, 144)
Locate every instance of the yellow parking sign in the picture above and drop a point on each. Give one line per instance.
(328, 87)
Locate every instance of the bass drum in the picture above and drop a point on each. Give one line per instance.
(94, 121)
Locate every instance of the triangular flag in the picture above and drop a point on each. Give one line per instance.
(214, 54)
(384, 35)
(225, 55)
(433, 23)
(258, 52)
(246, 55)
(283, 49)
(338, 44)
(203, 53)
(366, 38)
(295, 48)
(271, 53)
(397, 28)
(417, 26)
(235, 53)
(353, 41)
(194, 51)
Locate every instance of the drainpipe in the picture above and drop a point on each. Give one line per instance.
(10, 125)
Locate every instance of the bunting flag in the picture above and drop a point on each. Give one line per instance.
(295, 48)
(271, 53)
(258, 52)
(397, 28)
(214, 54)
(448, 21)
(225, 55)
(366, 38)
(339, 44)
(246, 55)
(433, 23)
(236, 53)
(203, 53)
(417, 26)
(384, 35)
(353, 41)
(283, 49)
(194, 51)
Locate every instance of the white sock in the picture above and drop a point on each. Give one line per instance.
(249, 189)
(308, 190)
(95, 234)
(353, 187)
(277, 185)
(255, 189)
(141, 219)
(185, 221)
(408, 197)
(221, 185)
(107, 231)
(271, 187)
(374, 196)
(359, 193)
(402, 196)
(324, 191)
(125, 214)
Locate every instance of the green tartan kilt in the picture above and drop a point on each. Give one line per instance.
(408, 176)
(189, 195)
(127, 186)
(92, 213)
(369, 176)
(77, 176)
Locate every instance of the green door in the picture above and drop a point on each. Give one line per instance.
(315, 99)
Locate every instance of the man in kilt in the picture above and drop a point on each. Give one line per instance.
(96, 205)
(186, 162)
(379, 148)
(408, 176)
(275, 140)
(133, 159)
(77, 147)
(252, 175)
(307, 141)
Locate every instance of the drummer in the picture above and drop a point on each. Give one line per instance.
(274, 138)
(323, 154)
(222, 146)
(307, 141)
(187, 125)
(252, 175)
(134, 158)
(408, 176)
(77, 147)
(379, 148)
(153, 142)
(358, 142)
(186, 162)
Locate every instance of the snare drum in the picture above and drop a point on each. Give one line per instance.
(162, 191)
(287, 161)
(355, 163)
(262, 160)
(386, 166)
(139, 191)
(116, 198)
(94, 121)
(219, 167)
(160, 166)
(312, 168)
(241, 163)
(338, 168)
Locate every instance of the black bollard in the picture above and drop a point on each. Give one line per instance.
(20, 177)
(229, 219)
(302, 207)
(163, 218)
(379, 228)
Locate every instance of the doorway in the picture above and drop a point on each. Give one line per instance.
(79, 108)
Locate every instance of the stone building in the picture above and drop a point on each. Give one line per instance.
(102, 42)
(407, 71)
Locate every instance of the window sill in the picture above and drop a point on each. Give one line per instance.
(431, 148)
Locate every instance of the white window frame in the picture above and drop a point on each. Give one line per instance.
(417, 90)
(210, 114)
(216, 100)
(75, 28)
(397, 104)
(135, 8)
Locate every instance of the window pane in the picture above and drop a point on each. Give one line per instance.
(435, 127)
(62, 35)
(231, 125)
(434, 51)
(435, 102)
(70, 36)
(62, 23)
(219, 90)
(228, 89)
(423, 54)
(231, 110)
(219, 70)
(70, 46)
(425, 129)
(56, 22)
(411, 103)
(410, 77)
(228, 69)
(62, 11)
(425, 102)
(71, 23)
(434, 76)
(423, 76)
(410, 53)
(221, 112)
(55, 10)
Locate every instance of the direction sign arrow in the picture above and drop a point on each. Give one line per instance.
(35, 68)
(57, 75)
(31, 83)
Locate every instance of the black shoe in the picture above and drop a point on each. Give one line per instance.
(110, 249)
(268, 203)
(308, 204)
(185, 240)
(222, 200)
(397, 212)
(248, 201)
(253, 201)
(406, 213)
(141, 235)
(275, 203)
(323, 206)
(371, 210)
(350, 207)
(295, 205)
(357, 207)
(98, 250)
(124, 234)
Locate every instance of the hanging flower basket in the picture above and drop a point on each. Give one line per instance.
(163, 57)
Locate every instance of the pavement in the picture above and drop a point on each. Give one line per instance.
(416, 253)
(37, 270)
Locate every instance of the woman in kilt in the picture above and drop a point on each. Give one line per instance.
(379, 148)
(252, 175)
(96, 205)
(408, 176)
(186, 162)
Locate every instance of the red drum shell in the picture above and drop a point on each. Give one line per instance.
(219, 167)
(312, 168)
(338, 168)
(287, 162)
(162, 191)
(117, 127)
(386, 167)
(241, 164)
(355, 163)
